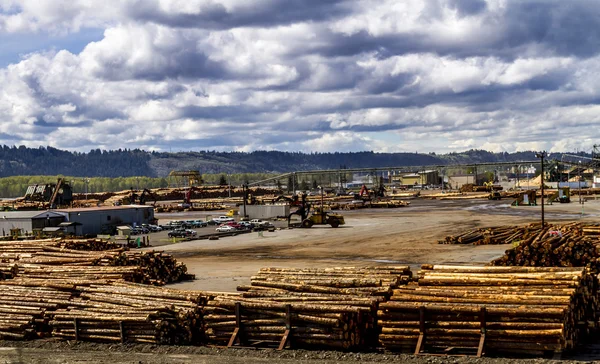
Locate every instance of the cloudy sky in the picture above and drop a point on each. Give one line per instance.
(300, 75)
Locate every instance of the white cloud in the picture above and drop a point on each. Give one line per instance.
(374, 75)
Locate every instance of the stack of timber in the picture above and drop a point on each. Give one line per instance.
(520, 309)
(24, 309)
(555, 246)
(330, 308)
(494, 235)
(86, 256)
(126, 312)
(159, 267)
(88, 244)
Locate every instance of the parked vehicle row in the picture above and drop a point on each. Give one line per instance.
(182, 233)
(145, 229)
(255, 224)
(187, 224)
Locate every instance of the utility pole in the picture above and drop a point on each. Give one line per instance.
(580, 182)
(541, 155)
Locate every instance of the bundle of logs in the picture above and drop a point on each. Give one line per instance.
(35, 258)
(126, 312)
(494, 235)
(24, 309)
(318, 308)
(520, 309)
(555, 246)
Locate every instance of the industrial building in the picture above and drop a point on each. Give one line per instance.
(79, 221)
(104, 219)
(28, 221)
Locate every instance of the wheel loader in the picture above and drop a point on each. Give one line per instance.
(320, 217)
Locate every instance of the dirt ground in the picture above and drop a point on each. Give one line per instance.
(379, 236)
(371, 236)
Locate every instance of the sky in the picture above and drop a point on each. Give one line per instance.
(301, 75)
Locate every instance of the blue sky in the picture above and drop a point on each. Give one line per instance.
(16, 46)
(300, 75)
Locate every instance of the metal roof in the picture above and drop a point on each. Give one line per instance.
(7, 215)
(104, 208)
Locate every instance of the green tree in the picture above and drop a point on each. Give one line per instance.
(222, 180)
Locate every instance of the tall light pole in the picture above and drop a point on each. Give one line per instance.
(541, 155)
(579, 181)
(86, 180)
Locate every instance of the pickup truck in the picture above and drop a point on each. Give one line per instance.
(222, 219)
(258, 222)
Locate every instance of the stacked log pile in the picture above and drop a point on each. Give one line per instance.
(24, 309)
(328, 308)
(494, 235)
(555, 246)
(125, 312)
(159, 267)
(526, 309)
(84, 256)
(88, 244)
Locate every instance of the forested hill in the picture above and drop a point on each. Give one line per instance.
(21, 160)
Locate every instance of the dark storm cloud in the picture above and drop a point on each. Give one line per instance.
(255, 14)
(183, 63)
(237, 113)
(468, 7)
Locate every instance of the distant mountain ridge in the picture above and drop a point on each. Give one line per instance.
(15, 161)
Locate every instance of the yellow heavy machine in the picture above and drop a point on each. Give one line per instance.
(494, 193)
(321, 217)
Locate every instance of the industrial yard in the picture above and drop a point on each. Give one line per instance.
(381, 274)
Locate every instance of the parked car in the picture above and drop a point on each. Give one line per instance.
(191, 232)
(225, 229)
(181, 233)
(223, 219)
(155, 228)
(246, 224)
(258, 222)
(201, 223)
(234, 225)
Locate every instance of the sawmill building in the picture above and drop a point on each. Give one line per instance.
(100, 220)
(28, 221)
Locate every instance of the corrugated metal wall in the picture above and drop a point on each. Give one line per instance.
(92, 221)
(265, 211)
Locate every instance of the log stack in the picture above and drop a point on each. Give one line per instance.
(34, 256)
(160, 268)
(88, 244)
(526, 309)
(126, 312)
(24, 308)
(494, 235)
(330, 308)
(555, 246)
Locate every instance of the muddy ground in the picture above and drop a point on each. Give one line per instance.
(380, 236)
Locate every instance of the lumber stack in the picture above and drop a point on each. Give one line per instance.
(24, 309)
(555, 246)
(159, 268)
(88, 244)
(527, 309)
(331, 308)
(313, 324)
(494, 235)
(33, 256)
(126, 312)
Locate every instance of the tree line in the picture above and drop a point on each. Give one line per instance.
(16, 186)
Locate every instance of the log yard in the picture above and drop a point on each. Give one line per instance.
(382, 270)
